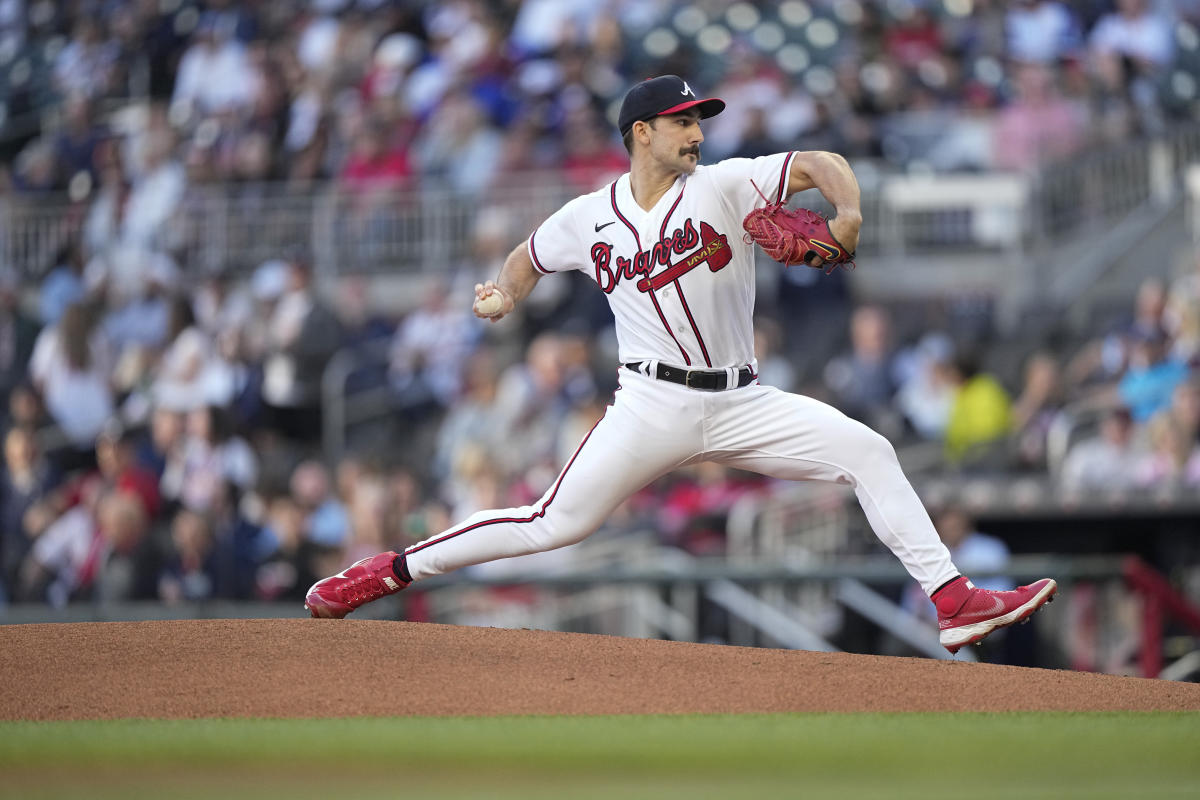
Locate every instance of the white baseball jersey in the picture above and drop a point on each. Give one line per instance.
(680, 280)
(679, 277)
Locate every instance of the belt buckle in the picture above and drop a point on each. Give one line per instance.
(687, 380)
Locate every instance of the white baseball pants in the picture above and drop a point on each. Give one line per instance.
(654, 426)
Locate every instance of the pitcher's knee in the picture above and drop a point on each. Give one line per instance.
(559, 530)
(871, 447)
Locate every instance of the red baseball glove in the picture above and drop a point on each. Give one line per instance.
(795, 236)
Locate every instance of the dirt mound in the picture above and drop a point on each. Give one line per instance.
(319, 668)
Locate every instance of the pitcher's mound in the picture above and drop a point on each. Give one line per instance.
(326, 668)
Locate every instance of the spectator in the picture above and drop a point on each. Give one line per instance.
(1103, 462)
(326, 522)
(1136, 31)
(926, 396)
(1152, 376)
(85, 65)
(472, 420)
(378, 165)
(25, 410)
(181, 379)
(591, 157)
(209, 457)
(127, 565)
(138, 306)
(1039, 126)
(863, 381)
(75, 146)
(63, 285)
(116, 461)
(458, 148)
(915, 39)
(97, 548)
(1130, 50)
(430, 346)
(302, 336)
(692, 512)
(1184, 409)
(529, 406)
(1041, 31)
(967, 142)
(239, 546)
(223, 312)
(268, 283)
(372, 509)
(70, 366)
(578, 377)
(28, 478)
(188, 574)
(363, 324)
(65, 553)
(1172, 458)
(1036, 408)
(1181, 315)
(214, 74)
(165, 439)
(221, 306)
(18, 334)
(158, 186)
(1105, 358)
(107, 215)
(981, 414)
(35, 169)
(773, 368)
(290, 569)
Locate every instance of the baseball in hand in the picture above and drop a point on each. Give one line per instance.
(490, 305)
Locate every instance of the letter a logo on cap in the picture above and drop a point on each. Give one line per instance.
(687, 89)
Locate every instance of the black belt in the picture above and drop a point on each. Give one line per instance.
(709, 380)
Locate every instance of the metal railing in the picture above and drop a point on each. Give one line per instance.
(427, 228)
(1100, 188)
(646, 592)
(1192, 203)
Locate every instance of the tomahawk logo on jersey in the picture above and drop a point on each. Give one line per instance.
(679, 277)
(714, 251)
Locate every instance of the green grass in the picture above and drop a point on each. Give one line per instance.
(1016, 756)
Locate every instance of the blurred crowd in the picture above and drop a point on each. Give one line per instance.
(1115, 413)
(174, 450)
(465, 93)
(163, 424)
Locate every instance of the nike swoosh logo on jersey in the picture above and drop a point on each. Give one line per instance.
(600, 227)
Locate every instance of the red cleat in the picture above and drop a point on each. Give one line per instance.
(966, 614)
(359, 583)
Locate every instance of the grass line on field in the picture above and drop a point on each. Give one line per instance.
(1162, 742)
(1034, 755)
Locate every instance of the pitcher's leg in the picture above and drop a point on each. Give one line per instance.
(798, 438)
(620, 455)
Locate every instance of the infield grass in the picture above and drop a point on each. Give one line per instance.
(1017, 755)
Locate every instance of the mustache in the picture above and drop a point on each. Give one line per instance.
(694, 150)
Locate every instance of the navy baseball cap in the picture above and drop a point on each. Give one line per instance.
(666, 94)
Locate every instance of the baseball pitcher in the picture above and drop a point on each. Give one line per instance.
(671, 244)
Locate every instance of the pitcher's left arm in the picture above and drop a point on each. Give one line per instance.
(830, 174)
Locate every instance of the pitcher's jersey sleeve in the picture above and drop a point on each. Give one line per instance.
(733, 178)
(557, 245)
